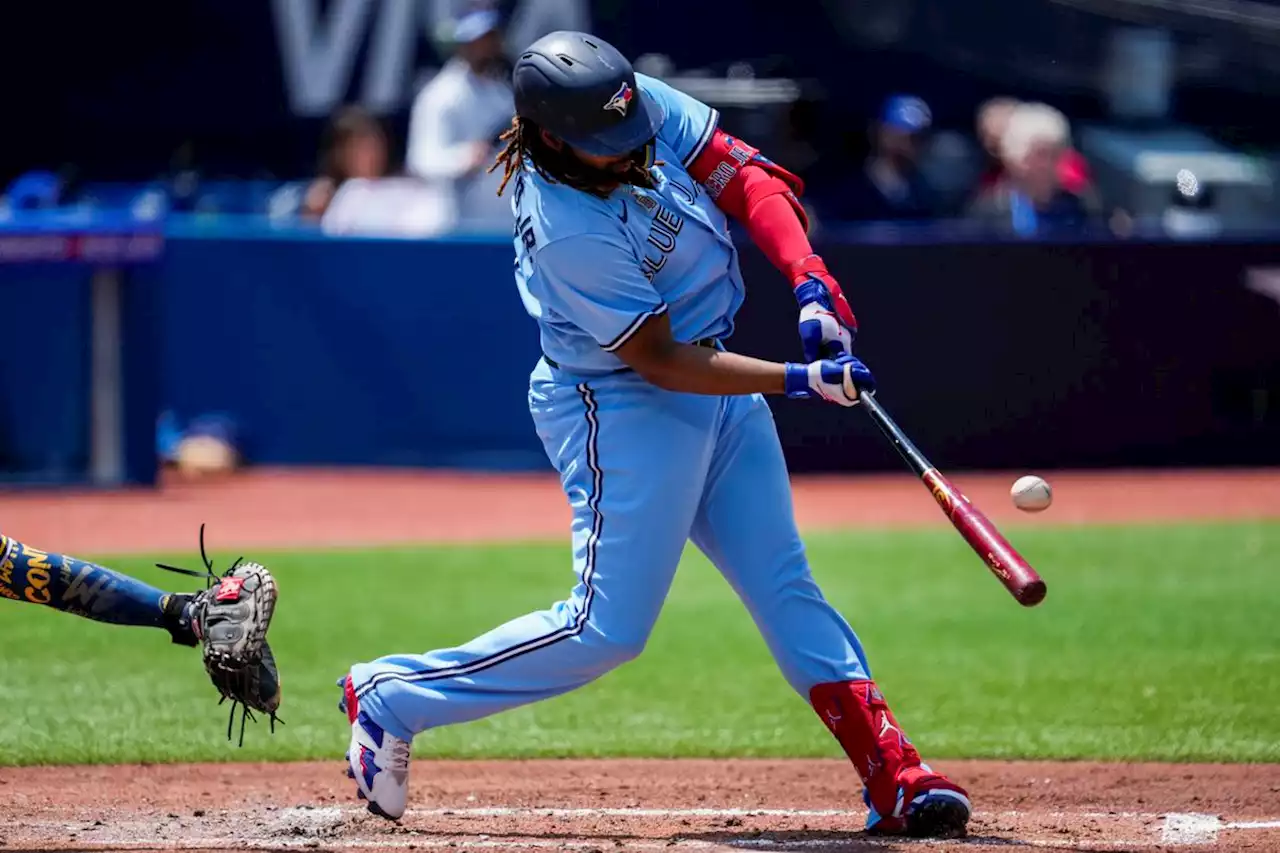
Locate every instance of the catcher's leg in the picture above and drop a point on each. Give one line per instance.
(89, 590)
(746, 526)
(231, 623)
(632, 461)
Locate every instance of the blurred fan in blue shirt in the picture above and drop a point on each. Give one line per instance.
(889, 186)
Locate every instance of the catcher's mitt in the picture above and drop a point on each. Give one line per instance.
(230, 620)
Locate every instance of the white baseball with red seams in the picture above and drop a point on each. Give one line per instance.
(1031, 494)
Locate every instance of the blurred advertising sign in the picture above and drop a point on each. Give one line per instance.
(324, 48)
(248, 86)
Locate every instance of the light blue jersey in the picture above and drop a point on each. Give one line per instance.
(645, 470)
(592, 270)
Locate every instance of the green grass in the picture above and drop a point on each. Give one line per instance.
(1154, 643)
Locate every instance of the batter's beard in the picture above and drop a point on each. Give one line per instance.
(564, 167)
(634, 175)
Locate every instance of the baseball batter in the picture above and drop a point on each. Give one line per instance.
(621, 189)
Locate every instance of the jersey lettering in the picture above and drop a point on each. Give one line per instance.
(662, 239)
(725, 171)
(528, 242)
(652, 266)
(667, 225)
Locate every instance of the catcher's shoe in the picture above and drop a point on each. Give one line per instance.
(377, 760)
(929, 806)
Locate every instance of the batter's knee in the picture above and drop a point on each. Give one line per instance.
(608, 649)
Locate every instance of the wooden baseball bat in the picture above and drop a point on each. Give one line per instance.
(1004, 561)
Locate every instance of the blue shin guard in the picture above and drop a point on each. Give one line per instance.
(85, 589)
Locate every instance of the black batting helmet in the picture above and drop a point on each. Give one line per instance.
(582, 90)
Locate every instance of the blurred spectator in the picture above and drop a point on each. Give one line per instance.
(527, 21)
(1029, 196)
(389, 207)
(456, 121)
(889, 186)
(355, 146)
(34, 190)
(993, 119)
(356, 195)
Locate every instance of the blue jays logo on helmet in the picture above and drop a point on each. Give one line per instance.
(621, 100)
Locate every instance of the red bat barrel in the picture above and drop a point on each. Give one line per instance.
(1022, 581)
(1009, 567)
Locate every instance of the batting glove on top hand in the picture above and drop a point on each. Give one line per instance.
(836, 381)
(827, 324)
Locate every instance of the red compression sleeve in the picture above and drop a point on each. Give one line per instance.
(778, 232)
(758, 193)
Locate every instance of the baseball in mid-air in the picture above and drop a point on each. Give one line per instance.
(1031, 494)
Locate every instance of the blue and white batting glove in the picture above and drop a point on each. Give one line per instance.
(834, 380)
(827, 324)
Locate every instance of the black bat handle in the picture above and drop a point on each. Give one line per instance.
(894, 433)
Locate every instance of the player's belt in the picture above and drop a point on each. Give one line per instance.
(710, 343)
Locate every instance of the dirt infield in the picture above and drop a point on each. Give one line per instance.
(602, 805)
(630, 805)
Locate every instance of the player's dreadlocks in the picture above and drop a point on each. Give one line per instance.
(558, 165)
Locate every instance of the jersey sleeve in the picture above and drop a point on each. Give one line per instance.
(689, 122)
(597, 286)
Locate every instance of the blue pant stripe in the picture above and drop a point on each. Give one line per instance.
(580, 621)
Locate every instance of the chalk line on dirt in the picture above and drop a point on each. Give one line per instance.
(640, 811)
(327, 825)
(349, 827)
(503, 811)
(453, 842)
(1190, 828)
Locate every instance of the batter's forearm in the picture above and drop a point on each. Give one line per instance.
(698, 370)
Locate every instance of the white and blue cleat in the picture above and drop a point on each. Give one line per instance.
(377, 760)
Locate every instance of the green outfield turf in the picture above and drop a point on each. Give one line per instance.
(1154, 643)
